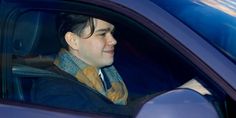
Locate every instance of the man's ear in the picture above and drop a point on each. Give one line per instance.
(72, 40)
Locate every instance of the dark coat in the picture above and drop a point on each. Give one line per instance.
(67, 92)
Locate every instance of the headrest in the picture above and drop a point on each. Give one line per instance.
(35, 33)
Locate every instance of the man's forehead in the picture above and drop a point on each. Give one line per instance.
(101, 24)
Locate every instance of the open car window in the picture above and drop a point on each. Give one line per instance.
(148, 65)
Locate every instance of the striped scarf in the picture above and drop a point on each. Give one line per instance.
(88, 75)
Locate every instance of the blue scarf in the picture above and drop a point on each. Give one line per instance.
(88, 75)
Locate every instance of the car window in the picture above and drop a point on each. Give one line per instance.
(33, 53)
(214, 20)
(140, 55)
(147, 64)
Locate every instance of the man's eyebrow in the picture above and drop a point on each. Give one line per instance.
(104, 30)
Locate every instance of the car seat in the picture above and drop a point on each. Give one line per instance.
(34, 46)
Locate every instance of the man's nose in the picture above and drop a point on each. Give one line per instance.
(112, 40)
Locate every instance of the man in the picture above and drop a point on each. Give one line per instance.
(91, 83)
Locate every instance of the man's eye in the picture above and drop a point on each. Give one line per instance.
(102, 34)
(112, 32)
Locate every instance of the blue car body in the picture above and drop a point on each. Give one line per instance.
(194, 29)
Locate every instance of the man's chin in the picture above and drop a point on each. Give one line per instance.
(108, 63)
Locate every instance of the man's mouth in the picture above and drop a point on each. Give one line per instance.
(111, 51)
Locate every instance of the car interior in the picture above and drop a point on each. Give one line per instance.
(147, 64)
(35, 51)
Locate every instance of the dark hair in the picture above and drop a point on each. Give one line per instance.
(73, 23)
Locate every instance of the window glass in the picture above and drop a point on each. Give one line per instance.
(34, 53)
(139, 55)
(214, 20)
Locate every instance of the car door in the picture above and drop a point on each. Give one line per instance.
(149, 57)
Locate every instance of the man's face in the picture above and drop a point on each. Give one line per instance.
(97, 50)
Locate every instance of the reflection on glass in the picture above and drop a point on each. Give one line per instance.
(226, 6)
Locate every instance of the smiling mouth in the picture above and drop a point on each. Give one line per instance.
(109, 51)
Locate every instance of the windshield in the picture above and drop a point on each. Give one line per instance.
(215, 20)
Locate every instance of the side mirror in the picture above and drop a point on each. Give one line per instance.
(179, 103)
